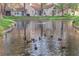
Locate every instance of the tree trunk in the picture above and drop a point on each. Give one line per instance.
(24, 9)
(1, 11)
(67, 10)
(53, 13)
(41, 11)
(1, 15)
(4, 13)
(62, 12)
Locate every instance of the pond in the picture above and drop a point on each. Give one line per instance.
(41, 38)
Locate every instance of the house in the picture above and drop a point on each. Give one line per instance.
(18, 12)
(15, 12)
(34, 9)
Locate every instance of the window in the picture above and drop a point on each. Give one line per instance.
(16, 13)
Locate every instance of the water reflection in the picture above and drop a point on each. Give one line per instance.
(41, 38)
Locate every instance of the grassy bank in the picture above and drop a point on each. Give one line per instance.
(8, 20)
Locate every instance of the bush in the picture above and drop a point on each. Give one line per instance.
(67, 14)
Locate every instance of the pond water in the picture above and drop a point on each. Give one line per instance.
(41, 38)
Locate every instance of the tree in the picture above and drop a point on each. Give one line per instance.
(73, 7)
(53, 11)
(24, 9)
(5, 5)
(1, 11)
(43, 5)
(60, 6)
(41, 11)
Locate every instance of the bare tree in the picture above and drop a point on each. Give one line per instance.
(24, 8)
(5, 5)
(41, 10)
(1, 11)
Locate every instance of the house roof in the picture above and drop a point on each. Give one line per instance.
(37, 6)
(20, 9)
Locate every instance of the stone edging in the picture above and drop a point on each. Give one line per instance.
(10, 28)
(76, 27)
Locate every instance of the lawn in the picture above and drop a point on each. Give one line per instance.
(5, 23)
(8, 20)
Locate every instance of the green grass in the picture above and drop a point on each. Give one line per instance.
(40, 17)
(8, 20)
(5, 23)
(76, 22)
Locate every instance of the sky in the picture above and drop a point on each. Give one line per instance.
(39, 1)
